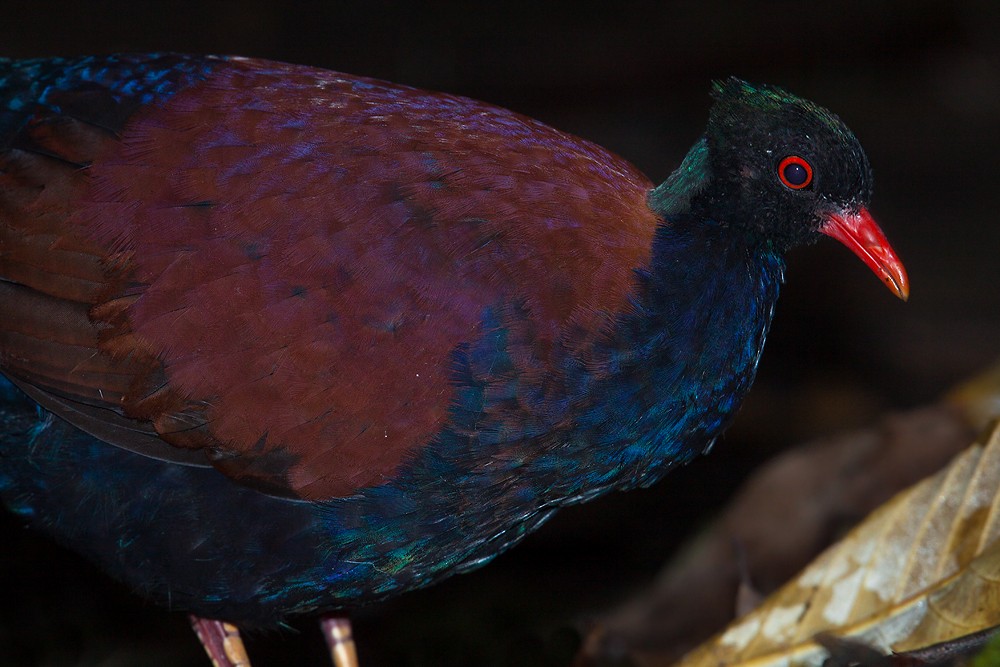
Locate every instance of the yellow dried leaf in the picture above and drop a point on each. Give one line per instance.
(922, 569)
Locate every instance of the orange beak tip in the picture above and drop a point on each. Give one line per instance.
(859, 232)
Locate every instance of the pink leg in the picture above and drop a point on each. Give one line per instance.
(221, 641)
(340, 640)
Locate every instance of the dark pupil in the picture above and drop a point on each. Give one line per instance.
(795, 174)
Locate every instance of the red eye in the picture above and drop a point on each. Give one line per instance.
(795, 172)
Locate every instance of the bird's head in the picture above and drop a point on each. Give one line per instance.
(788, 171)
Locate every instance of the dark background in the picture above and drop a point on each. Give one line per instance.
(919, 82)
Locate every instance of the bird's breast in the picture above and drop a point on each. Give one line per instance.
(652, 394)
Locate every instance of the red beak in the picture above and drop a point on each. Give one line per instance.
(859, 232)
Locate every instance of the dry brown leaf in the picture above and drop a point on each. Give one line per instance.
(777, 522)
(922, 569)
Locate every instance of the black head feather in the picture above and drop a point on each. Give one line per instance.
(751, 130)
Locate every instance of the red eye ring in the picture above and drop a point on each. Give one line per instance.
(795, 172)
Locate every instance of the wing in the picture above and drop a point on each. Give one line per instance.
(272, 268)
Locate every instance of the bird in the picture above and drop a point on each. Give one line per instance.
(282, 341)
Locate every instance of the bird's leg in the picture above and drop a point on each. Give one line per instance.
(222, 642)
(340, 640)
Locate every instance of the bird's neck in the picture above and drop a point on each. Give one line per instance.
(673, 197)
(685, 359)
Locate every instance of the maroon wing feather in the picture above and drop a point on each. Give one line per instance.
(276, 266)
